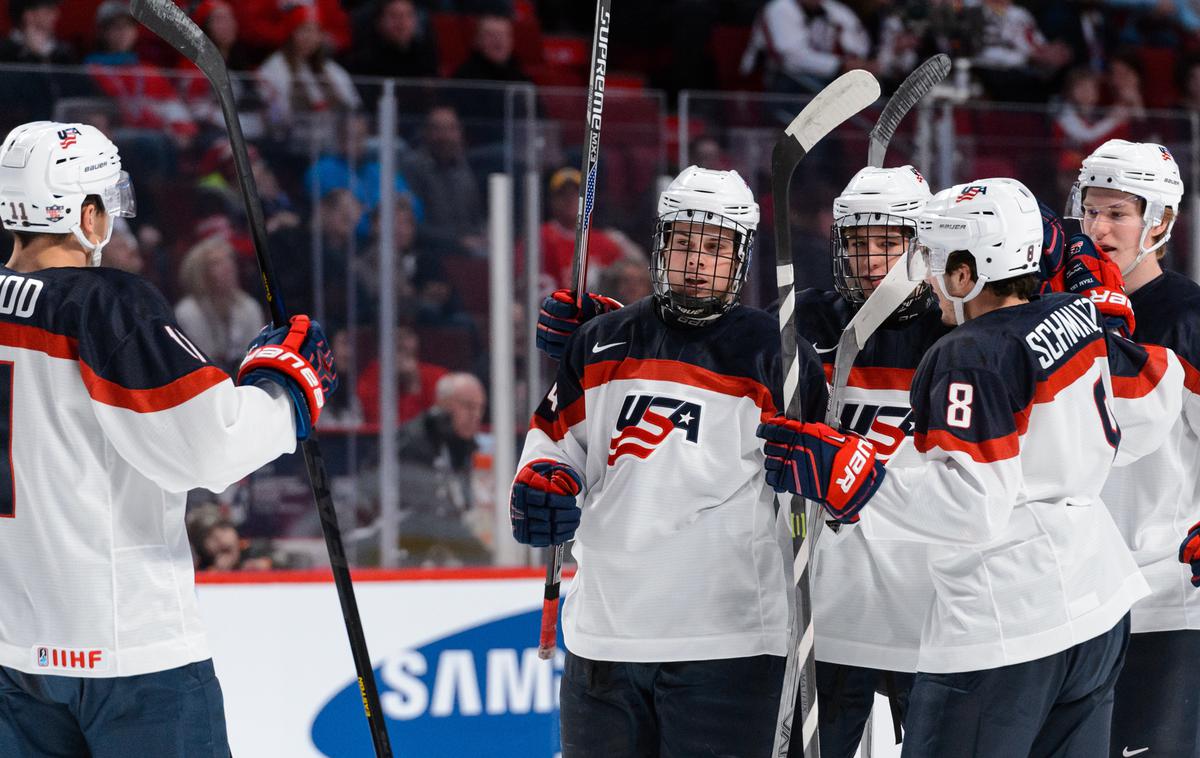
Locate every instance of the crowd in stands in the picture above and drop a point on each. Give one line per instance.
(308, 85)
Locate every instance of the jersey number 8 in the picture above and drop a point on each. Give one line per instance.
(958, 413)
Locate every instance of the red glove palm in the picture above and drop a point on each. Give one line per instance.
(1091, 273)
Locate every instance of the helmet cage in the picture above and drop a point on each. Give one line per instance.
(696, 306)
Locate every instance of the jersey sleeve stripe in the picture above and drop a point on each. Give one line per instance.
(43, 341)
(1191, 376)
(556, 428)
(876, 377)
(1147, 378)
(1069, 372)
(150, 400)
(986, 451)
(597, 374)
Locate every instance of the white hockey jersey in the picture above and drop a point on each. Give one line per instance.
(1156, 499)
(1013, 440)
(680, 554)
(109, 415)
(870, 597)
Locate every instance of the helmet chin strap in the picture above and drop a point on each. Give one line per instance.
(957, 302)
(1143, 251)
(94, 248)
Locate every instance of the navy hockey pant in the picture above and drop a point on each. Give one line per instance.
(845, 695)
(1059, 706)
(177, 713)
(723, 708)
(1156, 713)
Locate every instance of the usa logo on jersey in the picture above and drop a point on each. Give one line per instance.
(647, 420)
(885, 426)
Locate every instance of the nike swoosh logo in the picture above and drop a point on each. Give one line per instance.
(823, 350)
(1127, 752)
(597, 348)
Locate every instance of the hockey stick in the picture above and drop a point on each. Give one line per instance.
(583, 224)
(170, 23)
(895, 287)
(845, 96)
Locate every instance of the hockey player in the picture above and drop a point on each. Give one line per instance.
(110, 414)
(1032, 582)
(677, 620)
(1127, 198)
(869, 599)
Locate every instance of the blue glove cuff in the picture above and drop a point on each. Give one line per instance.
(295, 394)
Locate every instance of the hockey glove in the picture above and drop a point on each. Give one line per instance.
(1052, 262)
(296, 357)
(542, 505)
(1189, 552)
(559, 318)
(820, 463)
(1091, 273)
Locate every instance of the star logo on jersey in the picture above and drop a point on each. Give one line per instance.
(970, 193)
(647, 420)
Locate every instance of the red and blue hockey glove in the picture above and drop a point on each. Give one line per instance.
(542, 505)
(820, 463)
(1053, 261)
(1091, 273)
(296, 357)
(559, 318)
(1189, 552)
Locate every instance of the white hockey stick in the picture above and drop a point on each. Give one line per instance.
(844, 97)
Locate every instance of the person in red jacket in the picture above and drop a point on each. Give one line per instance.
(416, 381)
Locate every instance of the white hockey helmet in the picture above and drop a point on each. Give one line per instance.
(1143, 169)
(714, 205)
(889, 199)
(995, 220)
(48, 169)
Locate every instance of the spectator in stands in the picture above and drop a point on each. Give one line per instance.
(216, 313)
(436, 450)
(1085, 26)
(299, 79)
(558, 233)
(492, 57)
(1125, 83)
(396, 44)
(217, 20)
(265, 24)
(33, 38)
(1081, 125)
(353, 168)
(218, 175)
(899, 43)
(414, 385)
(1014, 61)
(216, 544)
(627, 281)
(336, 247)
(706, 151)
(1189, 84)
(343, 410)
(147, 99)
(807, 43)
(122, 251)
(442, 179)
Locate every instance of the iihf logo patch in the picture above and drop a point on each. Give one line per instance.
(969, 193)
(43, 657)
(647, 420)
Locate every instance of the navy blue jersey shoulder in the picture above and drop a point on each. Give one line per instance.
(119, 321)
(1168, 314)
(821, 316)
(743, 343)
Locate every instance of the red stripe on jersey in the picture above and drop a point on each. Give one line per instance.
(1191, 377)
(563, 420)
(875, 377)
(1068, 373)
(1147, 379)
(659, 370)
(35, 338)
(987, 451)
(150, 400)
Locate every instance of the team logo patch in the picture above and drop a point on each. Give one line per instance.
(55, 212)
(1166, 154)
(67, 137)
(885, 426)
(920, 179)
(647, 420)
(43, 657)
(969, 193)
(1075, 247)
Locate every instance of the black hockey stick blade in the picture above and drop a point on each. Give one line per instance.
(173, 26)
(170, 23)
(914, 87)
